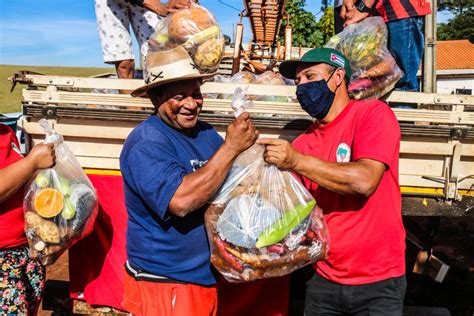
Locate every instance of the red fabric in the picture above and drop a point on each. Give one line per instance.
(168, 299)
(267, 297)
(96, 263)
(392, 10)
(367, 234)
(12, 223)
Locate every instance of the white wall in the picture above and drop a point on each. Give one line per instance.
(449, 86)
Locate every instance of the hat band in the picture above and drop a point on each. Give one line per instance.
(180, 68)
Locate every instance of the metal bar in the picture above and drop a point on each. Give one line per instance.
(429, 59)
(129, 84)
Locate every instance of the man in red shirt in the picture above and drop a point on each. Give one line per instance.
(348, 160)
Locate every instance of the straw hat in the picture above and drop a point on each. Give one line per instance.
(168, 66)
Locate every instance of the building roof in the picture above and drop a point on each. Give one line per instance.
(455, 54)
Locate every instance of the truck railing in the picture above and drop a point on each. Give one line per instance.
(436, 154)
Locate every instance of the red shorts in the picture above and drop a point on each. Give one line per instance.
(168, 299)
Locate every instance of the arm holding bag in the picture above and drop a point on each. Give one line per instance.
(60, 203)
(263, 222)
(374, 70)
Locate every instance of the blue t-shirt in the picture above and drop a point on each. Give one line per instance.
(154, 160)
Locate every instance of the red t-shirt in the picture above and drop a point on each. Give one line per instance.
(393, 10)
(367, 234)
(12, 224)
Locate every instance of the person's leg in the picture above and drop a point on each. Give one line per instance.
(125, 68)
(254, 298)
(168, 299)
(113, 22)
(383, 298)
(143, 23)
(12, 299)
(190, 299)
(338, 21)
(21, 282)
(34, 278)
(406, 44)
(322, 297)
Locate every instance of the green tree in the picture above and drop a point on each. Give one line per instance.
(457, 7)
(305, 27)
(461, 26)
(307, 30)
(326, 23)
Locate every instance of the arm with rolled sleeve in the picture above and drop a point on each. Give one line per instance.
(376, 139)
(164, 184)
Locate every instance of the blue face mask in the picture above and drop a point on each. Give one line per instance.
(315, 98)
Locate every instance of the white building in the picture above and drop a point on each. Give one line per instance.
(455, 67)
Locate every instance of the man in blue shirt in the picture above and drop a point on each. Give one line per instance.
(172, 164)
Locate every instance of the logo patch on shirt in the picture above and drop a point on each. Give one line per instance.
(196, 164)
(343, 153)
(16, 149)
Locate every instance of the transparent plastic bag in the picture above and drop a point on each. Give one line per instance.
(272, 79)
(245, 77)
(195, 29)
(241, 101)
(262, 222)
(217, 78)
(60, 203)
(374, 70)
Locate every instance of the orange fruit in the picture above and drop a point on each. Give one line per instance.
(48, 202)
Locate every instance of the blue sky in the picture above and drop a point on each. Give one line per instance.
(64, 32)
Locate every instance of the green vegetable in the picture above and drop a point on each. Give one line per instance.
(284, 225)
(42, 180)
(69, 210)
(64, 186)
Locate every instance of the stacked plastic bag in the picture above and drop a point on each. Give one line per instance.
(263, 223)
(60, 203)
(245, 77)
(374, 70)
(197, 31)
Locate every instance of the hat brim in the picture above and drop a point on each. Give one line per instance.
(142, 91)
(288, 67)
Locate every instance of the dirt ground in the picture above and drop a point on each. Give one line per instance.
(454, 245)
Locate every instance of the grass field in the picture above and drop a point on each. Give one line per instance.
(11, 102)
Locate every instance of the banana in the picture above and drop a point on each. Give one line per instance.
(201, 37)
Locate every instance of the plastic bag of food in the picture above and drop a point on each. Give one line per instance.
(272, 79)
(60, 203)
(243, 77)
(195, 29)
(374, 70)
(221, 79)
(262, 222)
